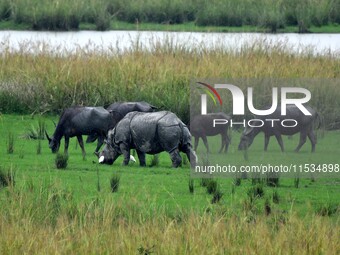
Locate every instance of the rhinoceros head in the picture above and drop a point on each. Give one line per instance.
(109, 154)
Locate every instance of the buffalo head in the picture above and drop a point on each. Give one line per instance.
(247, 139)
(53, 144)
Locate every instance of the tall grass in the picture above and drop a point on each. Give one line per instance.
(49, 220)
(273, 14)
(44, 82)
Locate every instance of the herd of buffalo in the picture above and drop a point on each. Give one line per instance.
(138, 125)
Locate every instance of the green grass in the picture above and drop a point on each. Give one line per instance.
(74, 210)
(161, 183)
(218, 16)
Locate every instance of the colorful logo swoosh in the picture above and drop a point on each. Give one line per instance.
(209, 90)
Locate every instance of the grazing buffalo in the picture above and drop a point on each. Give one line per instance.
(78, 121)
(120, 109)
(305, 124)
(148, 133)
(202, 126)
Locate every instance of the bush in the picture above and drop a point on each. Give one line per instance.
(191, 186)
(61, 160)
(114, 182)
(212, 186)
(6, 178)
(256, 191)
(216, 196)
(10, 143)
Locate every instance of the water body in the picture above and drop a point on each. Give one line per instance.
(121, 41)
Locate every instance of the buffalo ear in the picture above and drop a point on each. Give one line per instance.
(247, 131)
(48, 138)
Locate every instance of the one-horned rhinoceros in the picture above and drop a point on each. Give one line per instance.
(273, 126)
(78, 121)
(148, 133)
(202, 126)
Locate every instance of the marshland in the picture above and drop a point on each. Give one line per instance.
(90, 208)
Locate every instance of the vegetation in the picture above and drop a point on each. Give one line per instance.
(75, 211)
(271, 15)
(46, 82)
(78, 211)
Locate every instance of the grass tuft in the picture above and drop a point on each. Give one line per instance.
(114, 182)
(61, 160)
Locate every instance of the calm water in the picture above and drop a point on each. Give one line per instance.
(119, 41)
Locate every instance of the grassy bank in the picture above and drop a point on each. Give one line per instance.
(46, 82)
(248, 15)
(49, 210)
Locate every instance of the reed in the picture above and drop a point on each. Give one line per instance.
(272, 14)
(47, 82)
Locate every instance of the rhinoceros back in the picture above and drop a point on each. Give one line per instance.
(152, 132)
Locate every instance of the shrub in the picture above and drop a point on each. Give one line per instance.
(217, 195)
(256, 191)
(114, 182)
(212, 186)
(7, 178)
(275, 197)
(191, 186)
(61, 160)
(10, 143)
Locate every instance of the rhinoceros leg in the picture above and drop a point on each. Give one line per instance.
(303, 138)
(126, 153)
(191, 155)
(175, 158)
(312, 138)
(266, 141)
(279, 140)
(141, 157)
(81, 143)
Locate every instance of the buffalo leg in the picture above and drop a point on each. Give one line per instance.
(279, 140)
(226, 142)
(197, 139)
(175, 158)
(205, 141)
(266, 142)
(81, 143)
(303, 138)
(67, 140)
(222, 142)
(312, 138)
(126, 152)
(141, 157)
(99, 143)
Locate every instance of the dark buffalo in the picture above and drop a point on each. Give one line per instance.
(202, 126)
(305, 127)
(120, 109)
(78, 121)
(148, 133)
